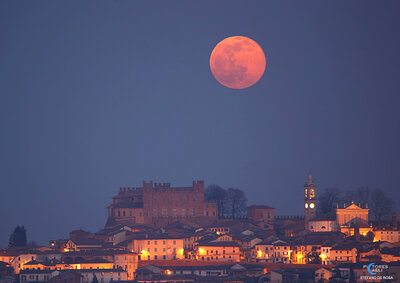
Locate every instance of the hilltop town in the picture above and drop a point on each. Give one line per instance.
(160, 233)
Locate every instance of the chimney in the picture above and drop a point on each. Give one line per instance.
(394, 219)
(356, 232)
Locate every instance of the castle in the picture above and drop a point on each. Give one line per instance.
(159, 204)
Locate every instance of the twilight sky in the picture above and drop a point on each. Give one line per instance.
(98, 95)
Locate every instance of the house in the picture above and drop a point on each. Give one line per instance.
(123, 259)
(33, 275)
(157, 247)
(391, 235)
(83, 244)
(219, 251)
(323, 274)
(284, 275)
(272, 251)
(343, 254)
(66, 276)
(103, 275)
(390, 254)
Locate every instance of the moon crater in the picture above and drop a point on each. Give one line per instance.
(237, 62)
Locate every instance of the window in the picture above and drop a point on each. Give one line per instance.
(155, 242)
(165, 212)
(174, 242)
(193, 212)
(174, 212)
(155, 212)
(183, 212)
(123, 213)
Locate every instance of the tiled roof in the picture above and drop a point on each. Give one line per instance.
(220, 244)
(35, 271)
(97, 253)
(87, 242)
(343, 247)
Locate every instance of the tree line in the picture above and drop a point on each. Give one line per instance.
(231, 202)
(379, 203)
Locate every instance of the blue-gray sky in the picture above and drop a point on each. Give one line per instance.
(97, 95)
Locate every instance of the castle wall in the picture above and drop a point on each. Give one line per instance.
(159, 204)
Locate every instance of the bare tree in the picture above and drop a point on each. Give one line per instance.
(379, 203)
(236, 202)
(328, 199)
(361, 195)
(215, 192)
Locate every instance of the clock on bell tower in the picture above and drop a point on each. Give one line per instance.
(309, 200)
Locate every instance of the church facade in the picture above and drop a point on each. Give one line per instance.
(159, 204)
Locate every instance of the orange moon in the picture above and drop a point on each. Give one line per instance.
(237, 62)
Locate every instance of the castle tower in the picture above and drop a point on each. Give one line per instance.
(309, 200)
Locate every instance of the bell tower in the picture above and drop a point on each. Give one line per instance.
(309, 200)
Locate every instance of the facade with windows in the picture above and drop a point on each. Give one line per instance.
(219, 251)
(157, 247)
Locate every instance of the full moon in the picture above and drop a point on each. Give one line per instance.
(237, 62)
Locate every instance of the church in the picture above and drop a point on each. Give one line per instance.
(347, 219)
